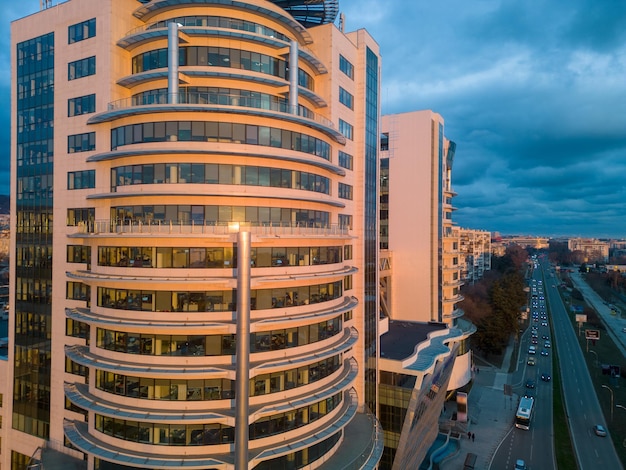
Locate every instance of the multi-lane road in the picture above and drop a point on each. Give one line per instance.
(582, 406)
(535, 446)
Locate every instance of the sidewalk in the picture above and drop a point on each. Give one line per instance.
(491, 415)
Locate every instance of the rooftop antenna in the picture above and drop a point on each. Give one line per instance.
(43, 4)
(342, 22)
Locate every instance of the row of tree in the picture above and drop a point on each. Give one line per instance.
(494, 304)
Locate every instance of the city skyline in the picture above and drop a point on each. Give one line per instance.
(548, 161)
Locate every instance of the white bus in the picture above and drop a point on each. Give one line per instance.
(524, 413)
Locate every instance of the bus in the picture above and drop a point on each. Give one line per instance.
(524, 413)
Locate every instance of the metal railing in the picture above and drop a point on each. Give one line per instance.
(190, 227)
(275, 104)
(367, 459)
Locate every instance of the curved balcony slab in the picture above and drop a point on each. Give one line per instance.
(347, 412)
(80, 396)
(344, 381)
(362, 446)
(151, 109)
(220, 232)
(78, 435)
(85, 316)
(120, 154)
(346, 341)
(151, 9)
(315, 197)
(83, 356)
(348, 303)
(138, 37)
(456, 313)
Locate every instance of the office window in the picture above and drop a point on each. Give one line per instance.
(78, 254)
(345, 160)
(347, 283)
(81, 31)
(81, 105)
(345, 221)
(384, 141)
(81, 68)
(346, 67)
(345, 191)
(346, 129)
(78, 215)
(81, 142)
(346, 98)
(81, 179)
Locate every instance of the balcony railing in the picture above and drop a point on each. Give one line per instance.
(190, 227)
(275, 104)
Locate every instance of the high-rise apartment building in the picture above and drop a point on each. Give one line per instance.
(425, 343)
(417, 231)
(194, 266)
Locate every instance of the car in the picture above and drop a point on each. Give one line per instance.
(534, 341)
(599, 430)
(546, 337)
(545, 377)
(530, 361)
(532, 350)
(530, 383)
(547, 344)
(544, 323)
(520, 465)
(544, 352)
(623, 330)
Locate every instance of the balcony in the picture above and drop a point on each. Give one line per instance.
(456, 313)
(190, 228)
(217, 102)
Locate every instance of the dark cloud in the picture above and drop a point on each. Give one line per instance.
(531, 93)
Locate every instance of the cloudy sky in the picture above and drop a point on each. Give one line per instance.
(533, 92)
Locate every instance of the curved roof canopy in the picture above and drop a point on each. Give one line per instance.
(310, 12)
(306, 12)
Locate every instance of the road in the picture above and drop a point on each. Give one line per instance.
(535, 446)
(581, 403)
(613, 323)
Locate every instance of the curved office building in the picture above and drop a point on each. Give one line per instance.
(211, 238)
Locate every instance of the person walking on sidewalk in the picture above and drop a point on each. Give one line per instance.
(473, 437)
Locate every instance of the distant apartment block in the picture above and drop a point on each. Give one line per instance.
(523, 241)
(593, 250)
(475, 247)
(194, 262)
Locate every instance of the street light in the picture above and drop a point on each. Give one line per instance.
(620, 406)
(609, 389)
(596, 354)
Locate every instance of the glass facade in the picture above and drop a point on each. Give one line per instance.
(370, 229)
(213, 131)
(33, 282)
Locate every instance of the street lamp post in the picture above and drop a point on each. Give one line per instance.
(609, 389)
(595, 354)
(620, 406)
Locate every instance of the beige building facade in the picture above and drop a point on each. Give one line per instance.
(420, 276)
(167, 128)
